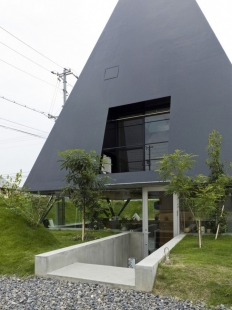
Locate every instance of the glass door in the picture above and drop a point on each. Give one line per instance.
(158, 215)
(153, 221)
(160, 219)
(165, 218)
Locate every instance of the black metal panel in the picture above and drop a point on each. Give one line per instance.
(162, 48)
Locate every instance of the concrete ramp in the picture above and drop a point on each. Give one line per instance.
(107, 275)
(105, 261)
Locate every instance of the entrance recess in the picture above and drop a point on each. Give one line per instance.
(160, 218)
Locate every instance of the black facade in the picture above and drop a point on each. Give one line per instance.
(157, 57)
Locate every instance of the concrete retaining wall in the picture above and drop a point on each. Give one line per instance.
(145, 270)
(111, 251)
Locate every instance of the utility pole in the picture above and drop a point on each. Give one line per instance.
(63, 76)
(60, 207)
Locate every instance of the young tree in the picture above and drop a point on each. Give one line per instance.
(218, 172)
(213, 148)
(173, 168)
(84, 181)
(204, 198)
(201, 194)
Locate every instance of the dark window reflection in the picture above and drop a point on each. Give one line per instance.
(156, 131)
(137, 142)
(130, 160)
(130, 132)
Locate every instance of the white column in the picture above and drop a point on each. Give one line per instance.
(145, 221)
(176, 216)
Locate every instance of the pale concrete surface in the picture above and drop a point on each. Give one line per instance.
(96, 262)
(145, 271)
(107, 275)
(110, 251)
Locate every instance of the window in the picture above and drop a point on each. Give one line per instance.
(136, 135)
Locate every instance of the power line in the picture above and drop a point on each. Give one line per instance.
(12, 175)
(54, 96)
(24, 106)
(28, 133)
(22, 125)
(3, 147)
(15, 139)
(31, 47)
(20, 140)
(28, 73)
(25, 57)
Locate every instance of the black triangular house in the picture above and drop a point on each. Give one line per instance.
(157, 80)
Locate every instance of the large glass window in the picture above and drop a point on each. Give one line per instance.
(130, 160)
(153, 153)
(130, 132)
(156, 131)
(136, 135)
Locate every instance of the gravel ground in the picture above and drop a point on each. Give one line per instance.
(39, 293)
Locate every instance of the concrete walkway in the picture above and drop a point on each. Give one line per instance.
(108, 275)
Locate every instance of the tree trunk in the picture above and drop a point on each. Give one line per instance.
(218, 226)
(199, 234)
(83, 224)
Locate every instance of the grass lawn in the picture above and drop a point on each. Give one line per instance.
(19, 243)
(192, 273)
(198, 274)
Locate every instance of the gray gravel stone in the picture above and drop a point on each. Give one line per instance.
(42, 293)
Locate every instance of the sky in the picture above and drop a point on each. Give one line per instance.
(65, 33)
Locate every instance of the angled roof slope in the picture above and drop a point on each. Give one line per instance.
(157, 48)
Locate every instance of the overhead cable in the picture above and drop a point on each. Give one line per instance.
(22, 125)
(16, 140)
(31, 47)
(14, 173)
(39, 143)
(54, 96)
(28, 73)
(24, 106)
(25, 57)
(26, 132)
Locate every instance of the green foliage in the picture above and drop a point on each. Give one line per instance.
(72, 215)
(84, 181)
(201, 194)
(218, 174)
(206, 195)
(175, 166)
(193, 192)
(21, 201)
(214, 151)
(218, 217)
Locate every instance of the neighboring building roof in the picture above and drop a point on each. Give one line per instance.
(149, 49)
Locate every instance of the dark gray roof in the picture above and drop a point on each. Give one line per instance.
(149, 49)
